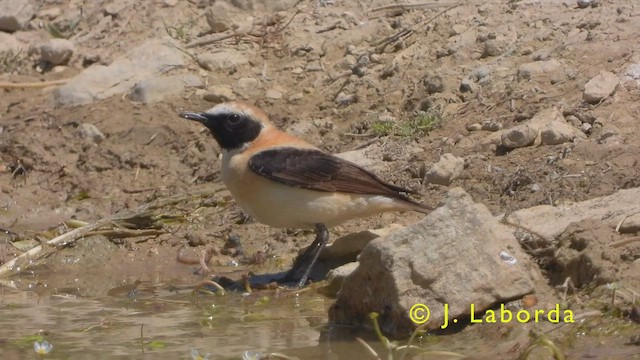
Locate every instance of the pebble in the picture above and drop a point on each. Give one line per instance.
(273, 94)
(224, 60)
(219, 94)
(219, 17)
(583, 4)
(600, 87)
(532, 70)
(346, 99)
(573, 120)
(633, 72)
(56, 51)
(586, 128)
(494, 47)
(474, 127)
(246, 87)
(296, 97)
(467, 85)
(91, 132)
(448, 168)
(491, 125)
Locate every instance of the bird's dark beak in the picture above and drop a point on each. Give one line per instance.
(199, 117)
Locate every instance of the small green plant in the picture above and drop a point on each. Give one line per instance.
(393, 348)
(382, 128)
(10, 60)
(420, 125)
(65, 33)
(179, 32)
(544, 342)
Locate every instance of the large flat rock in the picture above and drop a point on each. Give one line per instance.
(550, 221)
(458, 255)
(97, 82)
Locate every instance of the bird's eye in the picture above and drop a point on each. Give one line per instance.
(234, 119)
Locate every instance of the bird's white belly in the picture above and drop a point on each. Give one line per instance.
(282, 206)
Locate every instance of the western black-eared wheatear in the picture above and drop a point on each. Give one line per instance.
(285, 182)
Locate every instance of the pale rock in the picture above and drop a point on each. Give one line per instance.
(633, 72)
(224, 60)
(273, 94)
(345, 99)
(490, 125)
(474, 127)
(586, 128)
(423, 262)
(247, 87)
(14, 14)
(100, 82)
(533, 70)
(347, 63)
(495, 47)
(220, 16)
(91, 132)
(156, 89)
(115, 7)
(460, 42)
(458, 29)
(386, 117)
(296, 97)
(550, 221)
(447, 169)
(219, 94)
(559, 132)
(56, 51)
(600, 87)
(583, 4)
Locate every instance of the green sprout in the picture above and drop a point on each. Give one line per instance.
(420, 125)
(543, 341)
(10, 60)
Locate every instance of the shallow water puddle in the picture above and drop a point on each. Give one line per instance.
(172, 321)
(112, 315)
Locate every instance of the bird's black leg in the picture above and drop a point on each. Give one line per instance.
(310, 256)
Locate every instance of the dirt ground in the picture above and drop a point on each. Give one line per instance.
(338, 81)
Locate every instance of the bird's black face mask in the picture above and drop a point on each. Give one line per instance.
(231, 130)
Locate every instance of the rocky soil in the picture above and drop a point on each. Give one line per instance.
(521, 103)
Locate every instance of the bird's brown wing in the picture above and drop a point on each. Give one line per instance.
(316, 170)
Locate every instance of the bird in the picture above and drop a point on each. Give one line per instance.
(285, 182)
